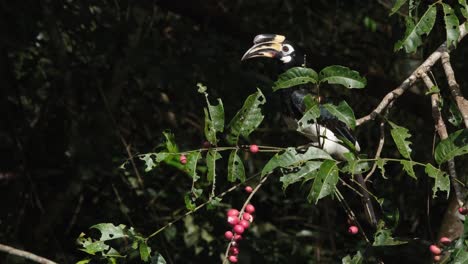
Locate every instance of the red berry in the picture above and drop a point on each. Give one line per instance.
(238, 229)
(436, 258)
(233, 220)
(435, 250)
(246, 216)
(237, 237)
(445, 240)
(250, 209)
(248, 189)
(232, 212)
(233, 259)
(183, 159)
(253, 148)
(234, 251)
(244, 223)
(463, 211)
(353, 230)
(228, 235)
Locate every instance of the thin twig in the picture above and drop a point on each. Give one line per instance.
(408, 82)
(378, 151)
(442, 131)
(25, 254)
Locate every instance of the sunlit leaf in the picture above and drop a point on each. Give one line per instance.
(325, 181)
(343, 112)
(248, 118)
(442, 181)
(408, 167)
(292, 156)
(381, 165)
(336, 74)
(455, 145)
(211, 158)
(398, 4)
(171, 146)
(451, 25)
(109, 231)
(463, 8)
(189, 204)
(305, 171)
(235, 167)
(356, 259)
(309, 117)
(191, 166)
(145, 252)
(400, 136)
(383, 237)
(157, 259)
(295, 76)
(412, 39)
(455, 117)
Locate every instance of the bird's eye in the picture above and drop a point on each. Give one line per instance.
(287, 49)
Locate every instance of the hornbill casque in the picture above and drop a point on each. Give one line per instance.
(328, 130)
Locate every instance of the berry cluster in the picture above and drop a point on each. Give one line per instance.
(239, 223)
(436, 250)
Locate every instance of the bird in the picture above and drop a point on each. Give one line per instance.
(328, 132)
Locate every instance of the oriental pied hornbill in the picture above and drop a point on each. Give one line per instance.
(328, 132)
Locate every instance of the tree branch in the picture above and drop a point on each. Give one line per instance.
(408, 82)
(25, 254)
(462, 103)
(442, 131)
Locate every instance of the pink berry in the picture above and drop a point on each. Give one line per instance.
(183, 159)
(228, 235)
(463, 211)
(253, 148)
(234, 251)
(238, 229)
(244, 223)
(250, 209)
(246, 216)
(237, 237)
(233, 244)
(445, 240)
(353, 230)
(233, 220)
(233, 259)
(436, 258)
(248, 189)
(232, 212)
(435, 250)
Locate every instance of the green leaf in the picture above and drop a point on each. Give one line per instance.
(145, 252)
(434, 89)
(171, 146)
(109, 231)
(356, 166)
(455, 117)
(414, 32)
(442, 181)
(408, 167)
(84, 261)
(248, 118)
(343, 112)
(235, 167)
(455, 145)
(325, 182)
(214, 116)
(399, 135)
(305, 171)
(398, 4)
(451, 25)
(460, 256)
(295, 76)
(211, 158)
(380, 164)
(463, 8)
(336, 74)
(383, 237)
(210, 132)
(311, 101)
(309, 117)
(292, 156)
(357, 259)
(188, 202)
(191, 166)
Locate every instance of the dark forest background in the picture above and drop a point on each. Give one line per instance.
(85, 84)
